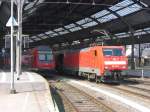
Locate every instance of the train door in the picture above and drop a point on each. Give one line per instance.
(59, 62)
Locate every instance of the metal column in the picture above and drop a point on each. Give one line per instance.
(139, 54)
(12, 89)
(132, 55)
(19, 39)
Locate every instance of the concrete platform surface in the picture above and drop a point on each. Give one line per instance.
(33, 94)
(138, 72)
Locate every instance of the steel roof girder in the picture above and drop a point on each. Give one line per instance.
(121, 18)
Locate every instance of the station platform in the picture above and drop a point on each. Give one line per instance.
(32, 94)
(138, 72)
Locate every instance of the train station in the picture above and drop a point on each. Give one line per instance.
(74, 55)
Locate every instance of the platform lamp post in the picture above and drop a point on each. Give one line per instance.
(12, 89)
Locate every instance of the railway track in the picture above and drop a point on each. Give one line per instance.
(125, 90)
(133, 92)
(76, 100)
(138, 88)
(143, 82)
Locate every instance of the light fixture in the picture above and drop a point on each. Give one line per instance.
(67, 2)
(93, 2)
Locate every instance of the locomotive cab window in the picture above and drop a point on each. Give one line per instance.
(42, 57)
(112, 52)
(49, 57)
(45, 56)
(117, 52)
(107, 52)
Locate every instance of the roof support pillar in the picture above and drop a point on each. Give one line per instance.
(132, 53)
(139, 54)
(20, 4)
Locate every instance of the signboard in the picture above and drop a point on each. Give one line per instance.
(11, 21)
(25, 41)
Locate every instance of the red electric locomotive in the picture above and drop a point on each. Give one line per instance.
(39, 58)
(101, 63)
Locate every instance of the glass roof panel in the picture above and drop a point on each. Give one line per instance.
(63, 32)
(40, 35)
(70, 26)
(52, 35)
(146, 29)
(120, 5)
(37, 39)
(100, 14)
(93, 23)
(75, 29)
(44, 37)
(139, 30)
(124, 33)
(58, 29)
(139, 33)
(33, 37)
(31, 40)
(107, 18)
(83, 21)
(49, 32)
(129, 10)
(55, 34)
(123, 36)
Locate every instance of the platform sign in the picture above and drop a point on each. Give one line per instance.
(11, 21)
(25, 41)
(3, 51)
(7, 42)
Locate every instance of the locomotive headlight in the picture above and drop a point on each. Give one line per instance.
(123, 66)
(106, 67)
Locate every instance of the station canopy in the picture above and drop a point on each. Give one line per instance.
(68, 22)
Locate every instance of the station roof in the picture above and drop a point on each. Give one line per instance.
(73, 21)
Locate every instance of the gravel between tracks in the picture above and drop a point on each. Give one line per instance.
(111, 103)
(78, 99)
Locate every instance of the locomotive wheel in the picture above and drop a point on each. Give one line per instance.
(120, 76)
(115, 76)
(96, 79)
(112, 76)
(88, 77)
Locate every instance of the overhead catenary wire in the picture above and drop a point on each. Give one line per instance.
(93, 3)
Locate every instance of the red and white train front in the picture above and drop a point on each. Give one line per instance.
(115, 60)
(39, 58)
(44, 60)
